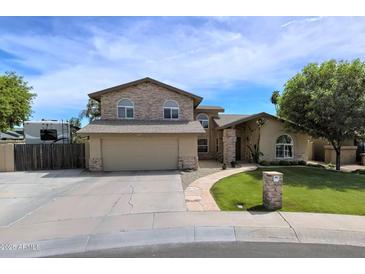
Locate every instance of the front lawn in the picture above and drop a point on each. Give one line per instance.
(305, 189)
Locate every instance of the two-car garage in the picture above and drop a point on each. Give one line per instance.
(142, 145)
(140, 153)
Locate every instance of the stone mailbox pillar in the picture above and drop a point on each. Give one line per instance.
(272, 190)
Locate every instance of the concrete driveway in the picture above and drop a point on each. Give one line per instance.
(39, 197)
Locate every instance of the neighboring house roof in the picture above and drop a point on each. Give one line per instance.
(141, 126)
(11, 135)
(229, 120)
(216, 108)
(96, 95)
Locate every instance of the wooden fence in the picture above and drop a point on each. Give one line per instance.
(48, 156)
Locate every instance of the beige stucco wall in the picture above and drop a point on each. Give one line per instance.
(87, 154)
(148, 100)
(318, 149)
(7, 157)
(188, 145)
(186, 148)
(269, 134)
(348, 154)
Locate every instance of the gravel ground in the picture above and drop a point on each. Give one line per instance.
(206, 167)
(188, 177)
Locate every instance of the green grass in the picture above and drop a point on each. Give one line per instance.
(305, 189)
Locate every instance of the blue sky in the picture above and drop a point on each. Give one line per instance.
(234, 62)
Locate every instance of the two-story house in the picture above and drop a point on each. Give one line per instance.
(149, 125)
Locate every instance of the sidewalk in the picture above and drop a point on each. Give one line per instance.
(197, 194)
(79, 235)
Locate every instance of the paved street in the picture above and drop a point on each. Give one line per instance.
(228, 250)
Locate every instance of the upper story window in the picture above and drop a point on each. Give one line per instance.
(125, 109)
(284, 147)
(171, 110)
(203, 119)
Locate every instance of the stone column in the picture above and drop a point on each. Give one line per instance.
(95, 160)
(272, 191)
(229, 145)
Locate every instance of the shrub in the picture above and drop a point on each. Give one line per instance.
(283, 163)
(302, 163)
(274, 163)
(265, 163)
(224, 166)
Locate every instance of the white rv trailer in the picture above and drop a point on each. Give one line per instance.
(47, 132)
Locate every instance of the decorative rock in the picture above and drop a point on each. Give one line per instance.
(193, 198)
(272, 190)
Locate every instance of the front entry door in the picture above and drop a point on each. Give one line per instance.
(238, 149)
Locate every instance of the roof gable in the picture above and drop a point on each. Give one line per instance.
(96, 95)
(237, 119)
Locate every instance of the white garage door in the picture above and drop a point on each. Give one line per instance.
(140, 153)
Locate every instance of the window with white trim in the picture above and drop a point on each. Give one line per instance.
(284, 147)
(203, 119)
(125, 109)
(202, 145)
(171, 110)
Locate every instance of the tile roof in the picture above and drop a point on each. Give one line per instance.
(11, 135)
(141, 126)
(200, 107)
(225, 119)
(228, 120)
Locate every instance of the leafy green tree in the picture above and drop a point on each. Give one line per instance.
(92, 110)
(75, 122)
(15, 100)
(327, 100)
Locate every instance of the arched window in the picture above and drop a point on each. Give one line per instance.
(284, 147)
(203, 119)
(171, 110)
(125, 109)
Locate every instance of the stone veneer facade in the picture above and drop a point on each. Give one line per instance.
(149, 100)
(272, 191)
(188, 162)
(95, 164)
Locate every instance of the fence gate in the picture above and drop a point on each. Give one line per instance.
(48, 156)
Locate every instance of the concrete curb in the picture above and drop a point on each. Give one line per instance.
(189, 234)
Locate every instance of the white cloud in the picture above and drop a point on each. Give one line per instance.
(218, 53)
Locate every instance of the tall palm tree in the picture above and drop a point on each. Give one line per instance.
(92, 110)
(275, 99)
